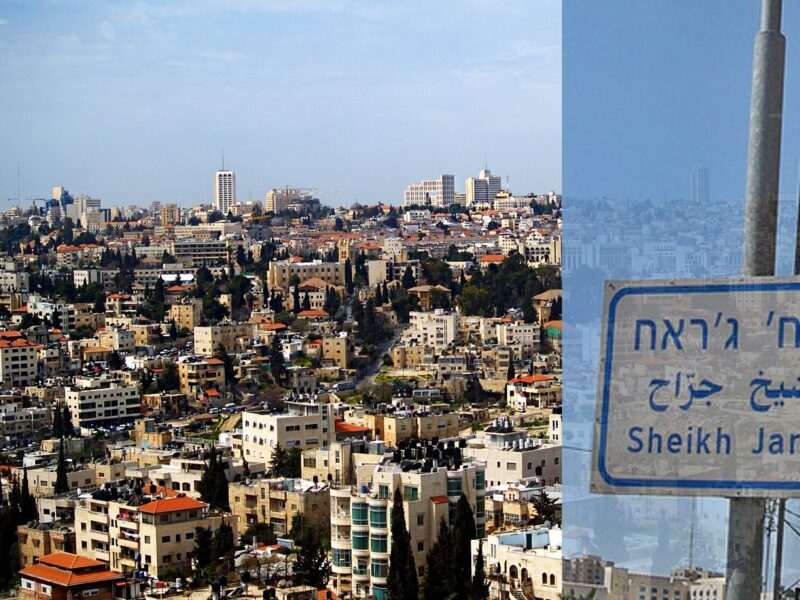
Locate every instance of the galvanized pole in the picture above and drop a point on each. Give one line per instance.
(746, 515)
(777, 592)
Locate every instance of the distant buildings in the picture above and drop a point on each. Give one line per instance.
(439, 192)
(224, 191)
(699, 191)
(482, 189)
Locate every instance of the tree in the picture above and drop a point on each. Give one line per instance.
(279, 461)
(277, 364)
(348, 276)
(61, 485)
(511, 373)
(545, 508)
(58, 423)
(169, 376)
(115, 361)
(263, 532)
(463, 533)
(401, 583)
(296, 299)
(306, 302)
(213, 484)
(66, 419)
(227, 361)
(28, 511)
(480, 587)
(311, 567)
(222, 545)
(173, 330)
(338, 224)
(203, 538)
(408, 280)
(438, 576)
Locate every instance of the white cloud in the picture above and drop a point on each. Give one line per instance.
(3, 22)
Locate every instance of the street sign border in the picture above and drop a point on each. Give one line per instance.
(642, 288)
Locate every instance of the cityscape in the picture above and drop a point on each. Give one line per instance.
(283, 396)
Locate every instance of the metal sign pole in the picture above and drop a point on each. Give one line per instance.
(746, 515)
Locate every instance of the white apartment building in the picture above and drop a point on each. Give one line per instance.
(436, 329)
(523, 563)
(523, 337)
(95, 402)
(438, 192)
(361, 521)
(305, 425)
(224, 191)
(483, 188)
(18, 362)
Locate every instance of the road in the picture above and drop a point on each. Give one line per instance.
(372, 370)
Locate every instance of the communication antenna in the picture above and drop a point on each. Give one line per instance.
(18, 187)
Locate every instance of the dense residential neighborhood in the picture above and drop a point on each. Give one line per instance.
(283, 396)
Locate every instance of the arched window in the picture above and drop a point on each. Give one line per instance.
(513, 572)
(544, 578)
(552, 579)
(524, 574)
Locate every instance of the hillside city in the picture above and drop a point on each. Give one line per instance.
(283, 399)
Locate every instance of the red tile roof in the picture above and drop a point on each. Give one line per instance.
(168, 505)
(531, 378)
(345, 427)
(439, 499)
(67, 578)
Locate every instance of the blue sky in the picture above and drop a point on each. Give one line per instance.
(653, 87)
(134, 101)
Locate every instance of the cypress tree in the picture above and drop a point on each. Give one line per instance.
(62, 485)
(277, 364)
(296, 300)
(401, 583)
(463, 534)
(27, 501)
(311, 566)
(438, 579)
(511, 373)
(306, 302)
(480, 588)
(279, 463)
(66, 422)
(408, 278)
(58, 423)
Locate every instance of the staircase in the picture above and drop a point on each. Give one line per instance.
(517, 594)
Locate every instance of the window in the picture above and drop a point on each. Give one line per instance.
(190, 535)
(377, 516)
(378, 542)
(164, 539)
(383, 491)
(410, 493)
(360, 540)
(341, 558)
(90, 593)
(380, 567)
(147, 539)
(454, 487)
(359, 514)
(167, 558)
(420, 546)
(420, 520)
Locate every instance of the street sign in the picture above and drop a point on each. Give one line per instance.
(699, 388)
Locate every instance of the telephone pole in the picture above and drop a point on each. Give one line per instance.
(746, 515)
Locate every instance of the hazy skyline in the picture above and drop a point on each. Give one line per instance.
(135, 102)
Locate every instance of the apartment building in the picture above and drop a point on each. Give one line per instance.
(404, 424)
(23, 425)
(361, 520)
(100, 401)
(278, 501)
(187, 313)
(534, 391)
(207, 340)
(170, 214)
(523, 337)
(510, 455)
(346, 462)
(338, 351)
(305, 425)
(194, 252)
(154, 533)
(42, 481)
(525, 562)
(197, 375)
(282, 272)
(436, 329)
(603, 580)
(121, 340)
(439, 192)
(18, 362)
(40, 539)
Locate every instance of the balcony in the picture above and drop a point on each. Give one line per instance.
(341, 517)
